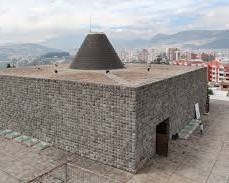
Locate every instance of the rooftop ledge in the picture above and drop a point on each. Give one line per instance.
(133, 75)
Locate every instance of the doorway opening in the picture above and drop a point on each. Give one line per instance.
(162, 138)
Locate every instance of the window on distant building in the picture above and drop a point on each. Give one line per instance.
(221, 74)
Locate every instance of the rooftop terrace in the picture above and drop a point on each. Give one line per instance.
(132, 75)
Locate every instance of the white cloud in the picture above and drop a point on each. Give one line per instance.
(33, 20)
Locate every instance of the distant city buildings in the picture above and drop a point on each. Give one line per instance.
(215, 71)
(218, 71)
(217, 62)
(150, 55)
(225, 83)
(173, 54)
(49, 58)
(144, 56)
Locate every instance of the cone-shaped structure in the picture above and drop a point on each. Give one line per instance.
(96, 53)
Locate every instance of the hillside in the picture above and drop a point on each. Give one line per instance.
(15, 50)
(193, 39)
(73, 41)
(186, 39)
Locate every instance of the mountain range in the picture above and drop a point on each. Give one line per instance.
(193, 39)
(28, 49)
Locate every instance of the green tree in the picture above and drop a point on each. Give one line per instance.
(210, 92)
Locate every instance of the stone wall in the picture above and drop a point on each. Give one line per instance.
(173, 98)
(95, 121)
(114, 125)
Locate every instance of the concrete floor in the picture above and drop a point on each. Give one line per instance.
(200, 159)
(19, 163)
(132, 75)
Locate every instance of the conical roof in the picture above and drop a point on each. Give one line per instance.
(96, 53)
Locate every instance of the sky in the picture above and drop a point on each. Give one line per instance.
(40, 20)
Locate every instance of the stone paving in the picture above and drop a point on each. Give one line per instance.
(19, 163)
(200, 159)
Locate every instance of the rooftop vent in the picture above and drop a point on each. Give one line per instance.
(96, 53)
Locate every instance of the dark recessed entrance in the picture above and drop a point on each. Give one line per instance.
(162, 138)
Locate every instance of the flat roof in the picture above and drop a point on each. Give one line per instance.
(133, 75)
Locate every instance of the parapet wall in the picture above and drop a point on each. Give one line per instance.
(92, 120)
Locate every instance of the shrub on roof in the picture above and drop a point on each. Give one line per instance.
(210, 91)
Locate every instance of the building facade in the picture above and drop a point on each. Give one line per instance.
(112, 124)
(225, 83)
(98, 109)
(218, 72)
(173, 54)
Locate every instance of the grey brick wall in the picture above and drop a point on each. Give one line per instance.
(173, 98)
(114, 125)
(95, 121)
